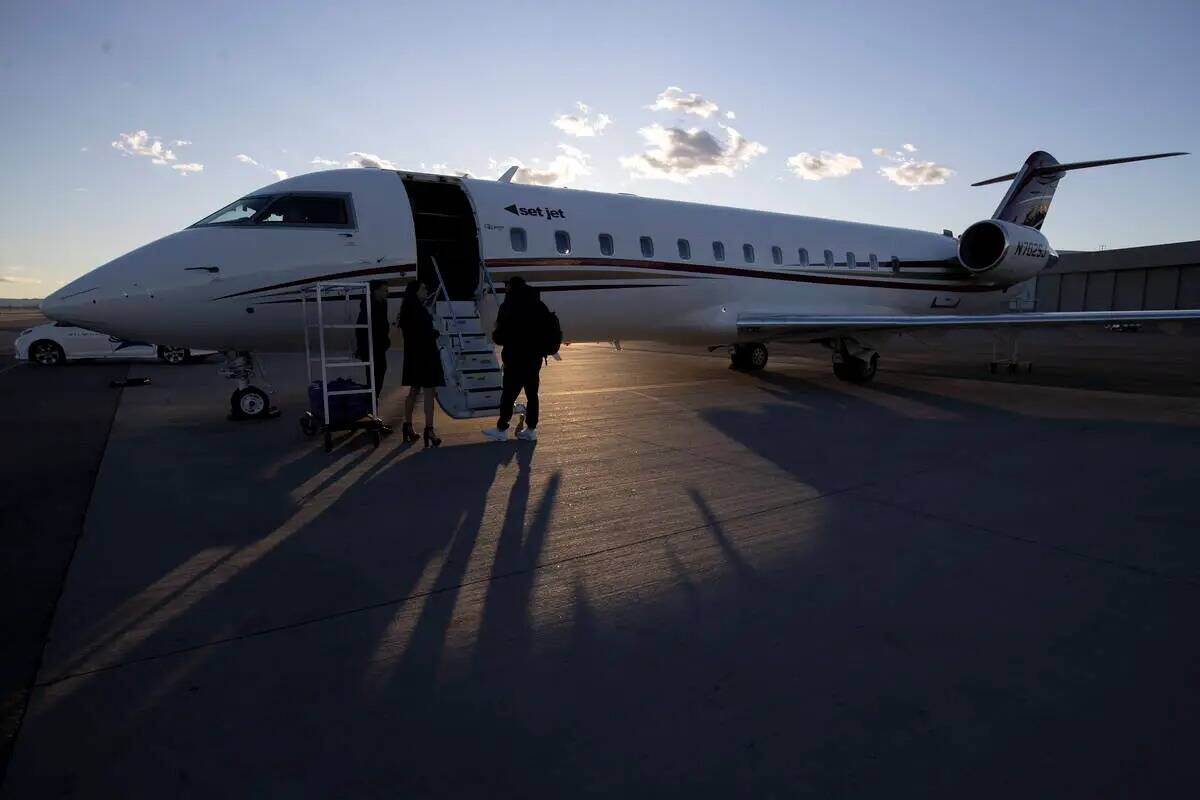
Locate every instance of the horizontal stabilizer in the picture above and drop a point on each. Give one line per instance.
(1056, 168)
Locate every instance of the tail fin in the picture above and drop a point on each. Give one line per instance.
(1028, 198)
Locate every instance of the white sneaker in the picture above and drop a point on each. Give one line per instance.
(528, 434)
(496, 435)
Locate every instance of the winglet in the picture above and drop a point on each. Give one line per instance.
(508, 174)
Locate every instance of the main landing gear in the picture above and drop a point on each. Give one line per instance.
(852, 362)
(749, 357)
(247, 401)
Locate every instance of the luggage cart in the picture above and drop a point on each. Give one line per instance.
(343, 405)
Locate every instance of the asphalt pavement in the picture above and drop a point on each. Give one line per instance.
(697, 583)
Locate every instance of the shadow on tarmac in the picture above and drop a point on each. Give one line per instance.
(970, 606)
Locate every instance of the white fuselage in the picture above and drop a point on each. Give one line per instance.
(236, 287)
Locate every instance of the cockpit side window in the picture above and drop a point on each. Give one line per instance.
(240, 212)
(325, 211)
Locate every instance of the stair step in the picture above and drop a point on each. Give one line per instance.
(456, 308)
(461, 325)
(488, 398)
(468, 360)
(476, 381)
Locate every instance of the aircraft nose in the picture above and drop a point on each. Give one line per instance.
(77, 303)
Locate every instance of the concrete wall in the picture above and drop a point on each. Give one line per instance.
(1161, 276)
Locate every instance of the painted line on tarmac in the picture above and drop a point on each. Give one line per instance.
(602, 390)
(11, 367)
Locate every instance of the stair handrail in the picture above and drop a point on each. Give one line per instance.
(487, 277)
(457, 377)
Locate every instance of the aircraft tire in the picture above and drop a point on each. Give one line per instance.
(250, 403)
(749, 357)
(856, 370)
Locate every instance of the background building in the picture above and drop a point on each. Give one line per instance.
(1156, 277)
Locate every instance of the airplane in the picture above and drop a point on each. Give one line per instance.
(613, 266)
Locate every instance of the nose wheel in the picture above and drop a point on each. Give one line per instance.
(248, 402)
(251, 403)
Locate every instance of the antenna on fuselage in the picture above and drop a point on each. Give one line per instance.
(508, 174)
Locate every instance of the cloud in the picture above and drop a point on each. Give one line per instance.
(140, 143)
(818, 166)
(679, 155)
(569, 165)
(674, 99)
(915, 174)
(324, 162)
(583, 123)
(909, 172)
(245, 159)
(442, 168)
(83, 149)
(369, 161)
(15, 275)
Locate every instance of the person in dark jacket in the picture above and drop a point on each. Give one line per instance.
(521, 328)
(422, 361)
(381, 339)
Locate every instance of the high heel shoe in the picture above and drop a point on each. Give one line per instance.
(409, 434)
(431, 439)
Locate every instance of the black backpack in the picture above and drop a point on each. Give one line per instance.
(552, 335)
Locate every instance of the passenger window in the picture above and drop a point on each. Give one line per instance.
(298, 209)
(718, 251)
(874, 261)
(777, 255)
(803, 257)
(518, 239)
(606, 244)
(647, 247)
(851, 261)
(895, 264)
(829, 258)
(748, 253)
(685, 249)
(562, 242)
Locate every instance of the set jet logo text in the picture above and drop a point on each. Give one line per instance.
(544, 213)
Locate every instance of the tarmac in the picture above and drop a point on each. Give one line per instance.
(697, 583)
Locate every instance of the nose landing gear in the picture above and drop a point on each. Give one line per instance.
(247, 401)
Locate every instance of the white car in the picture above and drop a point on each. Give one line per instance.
(59, 342)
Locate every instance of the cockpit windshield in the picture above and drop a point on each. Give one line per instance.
(239, 212)
(291, 210)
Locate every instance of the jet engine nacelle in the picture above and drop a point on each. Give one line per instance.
(1004, 252)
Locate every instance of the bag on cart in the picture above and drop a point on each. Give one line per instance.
(343, 408)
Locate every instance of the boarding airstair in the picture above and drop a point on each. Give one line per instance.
(473, 373)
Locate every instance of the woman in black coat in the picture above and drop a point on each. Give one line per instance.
(422, 361)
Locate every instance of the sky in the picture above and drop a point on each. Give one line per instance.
(123, 122)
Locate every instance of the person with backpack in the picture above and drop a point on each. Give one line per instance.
(528, 332)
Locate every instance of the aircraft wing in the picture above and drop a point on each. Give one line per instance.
(820, 326)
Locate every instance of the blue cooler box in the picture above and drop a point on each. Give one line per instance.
(343, 408)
